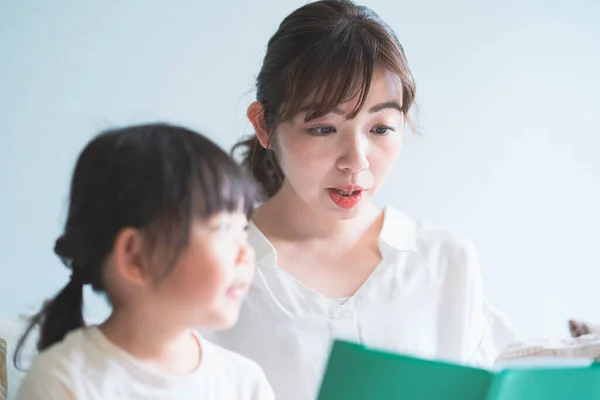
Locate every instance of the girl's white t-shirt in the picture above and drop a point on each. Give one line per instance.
(87, 366)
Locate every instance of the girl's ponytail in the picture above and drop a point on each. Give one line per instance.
(60, 315)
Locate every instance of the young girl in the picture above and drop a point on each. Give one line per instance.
(157, 222)
(333, 97)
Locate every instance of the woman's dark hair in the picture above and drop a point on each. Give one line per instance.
(157, 178)
(328, 49)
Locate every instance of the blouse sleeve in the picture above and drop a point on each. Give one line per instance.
(497, 334)
(487, 331)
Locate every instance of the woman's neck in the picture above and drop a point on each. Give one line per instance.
(175, 351)
(287, 217)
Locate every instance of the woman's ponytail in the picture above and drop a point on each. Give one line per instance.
(262, 164)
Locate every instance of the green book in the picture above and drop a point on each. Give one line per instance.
(357, 373)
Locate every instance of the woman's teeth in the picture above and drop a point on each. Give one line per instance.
(345, 193)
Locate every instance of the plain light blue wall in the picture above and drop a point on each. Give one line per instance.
(509, 107)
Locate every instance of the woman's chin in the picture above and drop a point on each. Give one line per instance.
(340, 213)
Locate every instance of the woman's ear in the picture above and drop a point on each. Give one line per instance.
(256, 115)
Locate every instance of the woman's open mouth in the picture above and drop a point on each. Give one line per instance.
(346, 196)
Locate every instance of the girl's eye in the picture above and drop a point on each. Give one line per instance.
(382, 130)
(224, 226)
(227, 227)
(323, 130)
(222, 223)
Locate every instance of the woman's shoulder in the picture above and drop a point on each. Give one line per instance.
(444, 252)
(427, 236)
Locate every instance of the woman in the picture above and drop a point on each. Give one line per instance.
(333, 97)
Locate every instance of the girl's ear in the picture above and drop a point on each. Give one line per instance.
(128, 257)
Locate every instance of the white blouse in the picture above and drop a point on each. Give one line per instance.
(424, 298)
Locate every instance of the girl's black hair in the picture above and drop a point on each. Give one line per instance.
(157, 178)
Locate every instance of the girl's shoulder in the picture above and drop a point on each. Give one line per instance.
(239, 371)
(232, 363)
(52, 370)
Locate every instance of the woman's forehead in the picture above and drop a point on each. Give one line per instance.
(385, 87)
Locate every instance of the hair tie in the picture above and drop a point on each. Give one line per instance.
(79, 276)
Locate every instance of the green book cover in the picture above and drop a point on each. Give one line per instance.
(357, 373)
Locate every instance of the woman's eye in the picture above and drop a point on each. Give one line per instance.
(323, 130)
(382, 130)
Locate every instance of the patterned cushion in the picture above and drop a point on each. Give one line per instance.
(585, 346)
(3, 374)
(11, 330)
